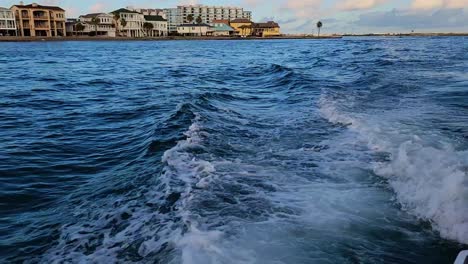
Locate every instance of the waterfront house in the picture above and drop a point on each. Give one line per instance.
(242, 26)
(35, 20)
(132, 25)
(268, 29)
(194, 30)
(7, 22)
(222, 28)
(159, 26)
(99, 24)
(179, 15)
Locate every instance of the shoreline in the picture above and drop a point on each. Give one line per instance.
(409, 35)
(169, 38)
(86, 38)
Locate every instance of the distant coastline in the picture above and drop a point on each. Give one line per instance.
(86, 38)
(409, 35)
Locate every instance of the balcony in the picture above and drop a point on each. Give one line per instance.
(41, 26)
(41, 18)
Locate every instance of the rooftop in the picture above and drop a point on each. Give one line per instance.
(269, 24)
(241, 20)
(36, 6)
(209, 6)
(222, 27)
(194, 25)
(93, 15)
(124, 10)
(154, 18)
(221, 21)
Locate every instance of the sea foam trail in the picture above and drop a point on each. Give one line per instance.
(431, 182)
(117, 224)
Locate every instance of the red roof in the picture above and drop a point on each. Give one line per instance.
(241, 20)
(221, 21)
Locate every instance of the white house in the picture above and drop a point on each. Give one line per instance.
(159, 26)
(7, 22)
(105, 24)
(130, 23)
(194, 30)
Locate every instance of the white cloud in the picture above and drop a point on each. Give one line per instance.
(434, 4)
(97, 8)
(351, 5)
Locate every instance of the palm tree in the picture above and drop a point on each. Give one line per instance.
(80, 27)
(95, 21)
(199, 21)
(148, 27)
(123, 23)
(190, 20)
(319, 26)
(116, 21)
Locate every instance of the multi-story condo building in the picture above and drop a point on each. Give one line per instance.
(207, 14)
(7, 22)
(173, 19)
(100, 23)
(130, 23)
(148, 11)
(35, 20)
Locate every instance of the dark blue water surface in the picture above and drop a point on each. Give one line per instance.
(351, 150)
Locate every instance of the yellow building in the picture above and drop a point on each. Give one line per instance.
(242, 26)
(268, 29)
(39, 21)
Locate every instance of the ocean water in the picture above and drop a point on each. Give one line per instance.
(351, 150)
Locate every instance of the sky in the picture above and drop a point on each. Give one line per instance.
(301, 16)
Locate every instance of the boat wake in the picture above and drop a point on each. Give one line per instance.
(428, 175)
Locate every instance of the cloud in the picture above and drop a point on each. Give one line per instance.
(352, 5)
(436, 4)
(415, 19)
(97, 8)
(303, 8)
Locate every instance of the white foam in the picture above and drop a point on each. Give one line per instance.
(429, 178)
(182, 171)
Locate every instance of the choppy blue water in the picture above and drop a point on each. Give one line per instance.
(281, 151)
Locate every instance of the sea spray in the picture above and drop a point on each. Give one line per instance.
(430, 182)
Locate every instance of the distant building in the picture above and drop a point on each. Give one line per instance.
(70, 26)
(179, 15)
(222, 28)
(105, 24)
(7, 22)
(268, 29)
(39, 21)
(133, 23)
(148, 11)
(159, 26)
(194, 30)
(242, 26)
(173, 19)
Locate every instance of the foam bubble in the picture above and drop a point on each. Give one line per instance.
(427, 174)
